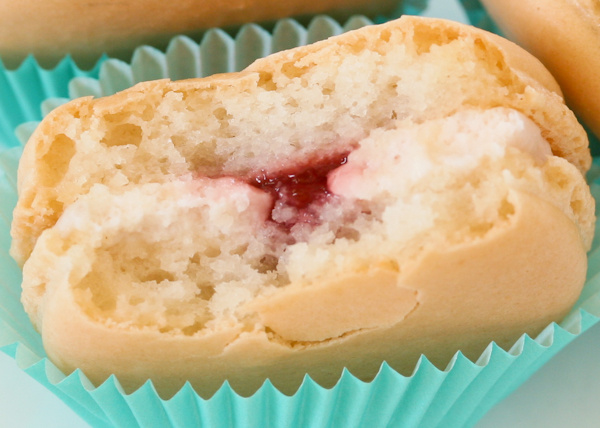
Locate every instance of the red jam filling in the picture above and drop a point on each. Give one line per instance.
(302, 188)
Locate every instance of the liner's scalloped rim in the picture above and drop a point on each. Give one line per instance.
(534, 352)
(29, 86)
(528, 352)
(148, 63)
(24, 88)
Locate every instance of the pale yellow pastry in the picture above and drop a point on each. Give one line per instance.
(414, 187)
(565, 36)
(51, 29)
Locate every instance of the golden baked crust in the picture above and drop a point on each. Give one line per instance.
(565, 36)
(527, 81)
(453, 306)
(462, 215)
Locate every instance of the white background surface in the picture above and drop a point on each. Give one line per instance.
(564, 393)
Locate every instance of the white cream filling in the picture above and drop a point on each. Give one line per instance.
(418, 176)
(412, 151)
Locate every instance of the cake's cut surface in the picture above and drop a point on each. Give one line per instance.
(414, 187)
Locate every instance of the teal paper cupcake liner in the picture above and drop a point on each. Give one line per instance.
(218, 52)
(456, 396)
(23, 91)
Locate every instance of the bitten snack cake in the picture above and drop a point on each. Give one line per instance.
(566, 38)
(413, 187)
(51, 29)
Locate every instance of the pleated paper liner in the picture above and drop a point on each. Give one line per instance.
(218, 52)
(23, 90)
(456, 396)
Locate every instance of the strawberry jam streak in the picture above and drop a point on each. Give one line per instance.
(302, 188)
